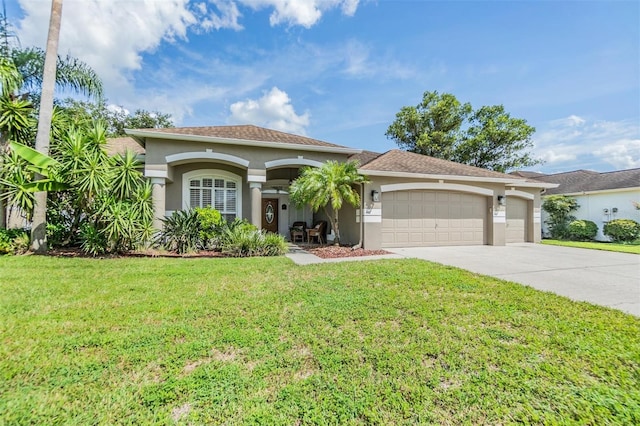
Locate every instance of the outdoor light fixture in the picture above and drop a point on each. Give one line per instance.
(502, 200)
(375, 195)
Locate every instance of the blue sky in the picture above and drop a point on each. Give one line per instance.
(339, 70)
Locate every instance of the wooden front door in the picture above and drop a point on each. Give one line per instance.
(270, 214)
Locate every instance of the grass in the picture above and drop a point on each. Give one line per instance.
(262, 341)
(633, 248)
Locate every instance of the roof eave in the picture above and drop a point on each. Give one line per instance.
(246, 142)
(544, 185)
(387, 173)
(600, 191)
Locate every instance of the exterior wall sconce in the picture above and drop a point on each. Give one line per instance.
(614, 210)
(502, 200)
(375, 195)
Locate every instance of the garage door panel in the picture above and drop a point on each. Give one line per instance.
(516, 227)
(401, 196)
(423, 218)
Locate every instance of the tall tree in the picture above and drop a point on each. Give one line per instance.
(329, 185)
(432, 127)
(440, 126)
(21, 75)
(115, 119)
(496, 141)
(39, 227)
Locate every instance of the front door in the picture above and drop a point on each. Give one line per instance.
(270, 214)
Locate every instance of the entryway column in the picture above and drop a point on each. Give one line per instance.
(158, 196)
(256, 177)
(256, 204)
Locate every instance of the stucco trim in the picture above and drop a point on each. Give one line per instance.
(156, 174)
(519, 194)
(436, 186)
(292, 162)
(184, 157)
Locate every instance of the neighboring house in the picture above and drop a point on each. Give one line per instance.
(602, 196)
(412, 200)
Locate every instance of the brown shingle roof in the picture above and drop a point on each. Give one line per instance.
(244, 132)
(409, 162)
(120, 145)
(364, 157)
(526, 174)
(587, 181)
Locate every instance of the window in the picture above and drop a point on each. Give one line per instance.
(213, 188)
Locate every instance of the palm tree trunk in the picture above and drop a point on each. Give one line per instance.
(39, 227)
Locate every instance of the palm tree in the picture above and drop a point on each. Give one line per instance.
(21, 77)
(39, 226)
(332, 184)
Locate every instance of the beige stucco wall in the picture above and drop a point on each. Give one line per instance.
(158, 149)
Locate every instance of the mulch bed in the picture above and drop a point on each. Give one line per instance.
(324, 252)
(76, 252)
(333, 252)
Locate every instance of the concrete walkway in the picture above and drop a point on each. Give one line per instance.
(599, 277)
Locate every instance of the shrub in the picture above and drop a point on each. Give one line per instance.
(210, 220)
(559, 208)
(181, 232)
(622, 230)
(14, 241)
(582, 230)
(240, 240)
(93, 241)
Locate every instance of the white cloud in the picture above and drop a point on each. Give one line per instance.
(226, 18)
(111, 35)
(273, 110)
(108, 35)
(576, 142)
(570, 121)
(622, 154)
(305, 13)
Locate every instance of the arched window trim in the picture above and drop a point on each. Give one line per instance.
(212, 174)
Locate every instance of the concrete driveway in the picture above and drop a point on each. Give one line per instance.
(600, 277)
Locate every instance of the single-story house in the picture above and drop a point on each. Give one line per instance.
(411, 200)
(602, 196)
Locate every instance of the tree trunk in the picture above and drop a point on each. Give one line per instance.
(39, 227)
(3, 214)
(336, 229)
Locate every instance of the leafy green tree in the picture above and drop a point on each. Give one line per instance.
(496, 141)
(432, 127)
(108, 199)
(559, 208)
(22, 78)
(329, 185)
(440, 126)
(116, 119)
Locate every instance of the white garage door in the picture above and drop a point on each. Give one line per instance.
(516, 220)
(432, 218)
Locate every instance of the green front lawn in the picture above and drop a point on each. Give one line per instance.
(260, 340)
(622, 248)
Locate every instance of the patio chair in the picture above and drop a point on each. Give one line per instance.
(298, 231)
(318, 231)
